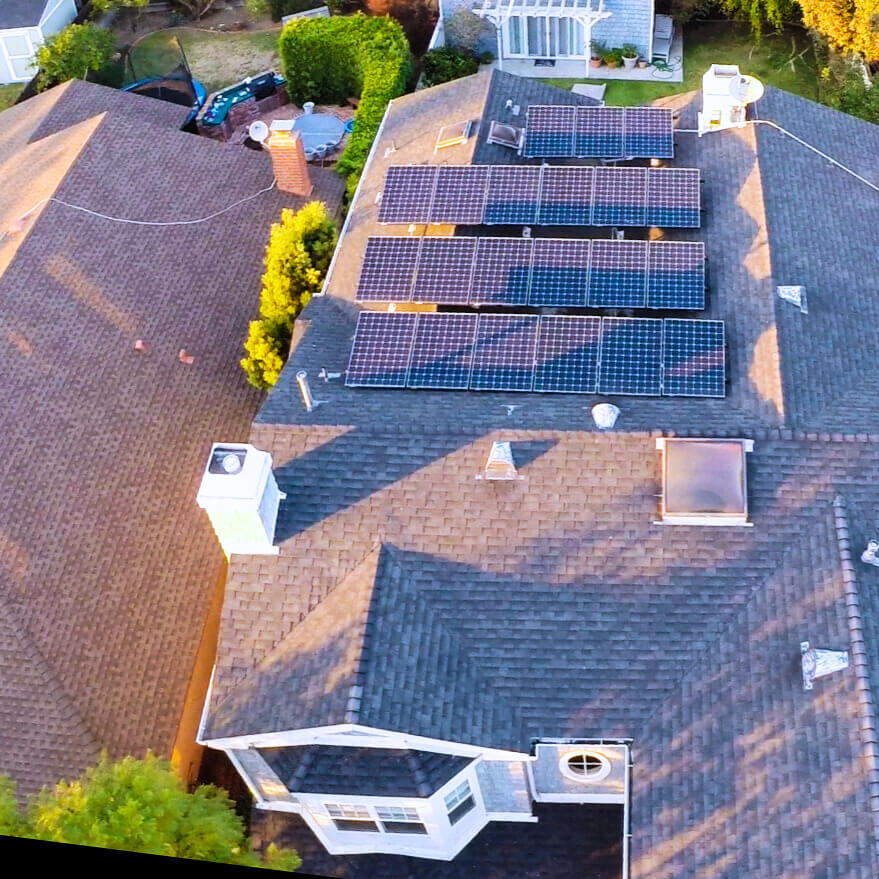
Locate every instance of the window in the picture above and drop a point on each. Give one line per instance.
(399, 820)
(355, 818)
(459, 802)
(586, 766)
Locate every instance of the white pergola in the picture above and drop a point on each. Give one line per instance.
(498, 12)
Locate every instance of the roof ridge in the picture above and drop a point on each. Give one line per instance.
(868, 726)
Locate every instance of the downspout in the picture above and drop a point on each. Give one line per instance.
(627, 833)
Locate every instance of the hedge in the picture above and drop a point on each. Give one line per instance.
(327, 60)
(297, 258)
(445, 64)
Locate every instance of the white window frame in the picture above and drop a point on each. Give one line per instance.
(550, 36)
(8, 58)
(376, 814)
(401, 815)
(455, 798)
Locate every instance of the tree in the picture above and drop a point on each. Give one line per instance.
(849, 25)
(195, 8)
(464, 29)
(298, 255)
(10, 819)
(759, 12)
(101, 6)
(143, 806)
(71, 53)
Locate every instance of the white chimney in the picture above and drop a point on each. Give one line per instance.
(725, 94)
(241, 497)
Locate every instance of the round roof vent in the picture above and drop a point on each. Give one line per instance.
(585, 766)
(231, 463)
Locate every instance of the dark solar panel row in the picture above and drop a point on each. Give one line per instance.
(556, 131)
(552, 353)
(565, 272)
(547, 195)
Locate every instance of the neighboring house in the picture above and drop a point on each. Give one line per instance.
(108, 573)
(561, 30)
(24, 26)
(443, 676)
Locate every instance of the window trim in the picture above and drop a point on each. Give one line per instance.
(589, 777)
(459, 802)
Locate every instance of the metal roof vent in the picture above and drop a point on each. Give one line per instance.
(241, 497)
(500, 464)
(605, 415)
(818, 663)
(794, 295)
(452, 135)
(870, 556)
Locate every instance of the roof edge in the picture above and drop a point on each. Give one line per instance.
(868, 726)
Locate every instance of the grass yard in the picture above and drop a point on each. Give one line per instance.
(216, 59)
(726, 43)
(8, 94)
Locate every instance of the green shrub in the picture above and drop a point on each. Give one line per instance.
(73, 52)
(327, 60)
(297, 257)
(446, 63)
(256, 8)
(844, 89)
(280, 8)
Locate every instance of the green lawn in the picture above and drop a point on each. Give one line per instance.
(216, 59)
(8, 94)
(725, 43)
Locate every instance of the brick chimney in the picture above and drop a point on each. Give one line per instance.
(288, 162)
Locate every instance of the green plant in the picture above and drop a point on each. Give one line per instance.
(195, 9)
(629, 50)
(327, 60)
(256, 8)
(280, 8)
(597, 49)
(760, 12)
(445, 64)
(613, 57)
(485, 57)
(71, 53)
(139, 806)
(297, 257)
(101, 6)
(844, 89)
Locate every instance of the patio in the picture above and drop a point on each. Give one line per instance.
(580, 70)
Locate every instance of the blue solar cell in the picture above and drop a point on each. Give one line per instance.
(445, 268)
(501, 272)
(512, 195)
(549, 131)
(388, 269)
(674, 198)
(618, 274)
(442, 352)
(676, 275)
(559, 272)
(503, 357)
(407, 194)
(599, 132)
(631, 356)
(649, 132)
(619, 197)
(460, 194)
(566, 196)
(567, 354)
(381, 349)
(694, 358)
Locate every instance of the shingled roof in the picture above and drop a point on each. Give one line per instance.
(557, 597)
(107, 567)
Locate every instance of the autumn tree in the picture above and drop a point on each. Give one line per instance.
(760, 13)
(848, 25)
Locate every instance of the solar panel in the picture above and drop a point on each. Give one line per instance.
(599, 132)
(512, 195)
(549, 131)
(444, 271)
(618, 274)
(649, 132)
(559, 272)
(388, 268)
(460, 194)
(442, 351)
(631, 356)
(673, 198)
(695, 358)
(380, 353)
(566, 196)
(567, 354)
(501, 272)
(676, 275)
(619, 197)
(503, 357)
(407, 194)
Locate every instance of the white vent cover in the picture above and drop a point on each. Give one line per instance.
(818, 663)
(240, 495)
(500, 464)
(794, 295)
(605, 415)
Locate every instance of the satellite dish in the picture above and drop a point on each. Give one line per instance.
(258, 131)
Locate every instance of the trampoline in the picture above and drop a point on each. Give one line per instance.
(318, 130)
(175, 89)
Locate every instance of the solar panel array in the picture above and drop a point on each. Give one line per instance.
(549, 353)
(550, 272)
(558, 131)
(541, 195)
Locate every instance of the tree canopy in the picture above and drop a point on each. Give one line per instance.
(849, 25)
(71, 53)
(139, 806)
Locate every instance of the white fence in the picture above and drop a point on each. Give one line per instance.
(319, 12)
